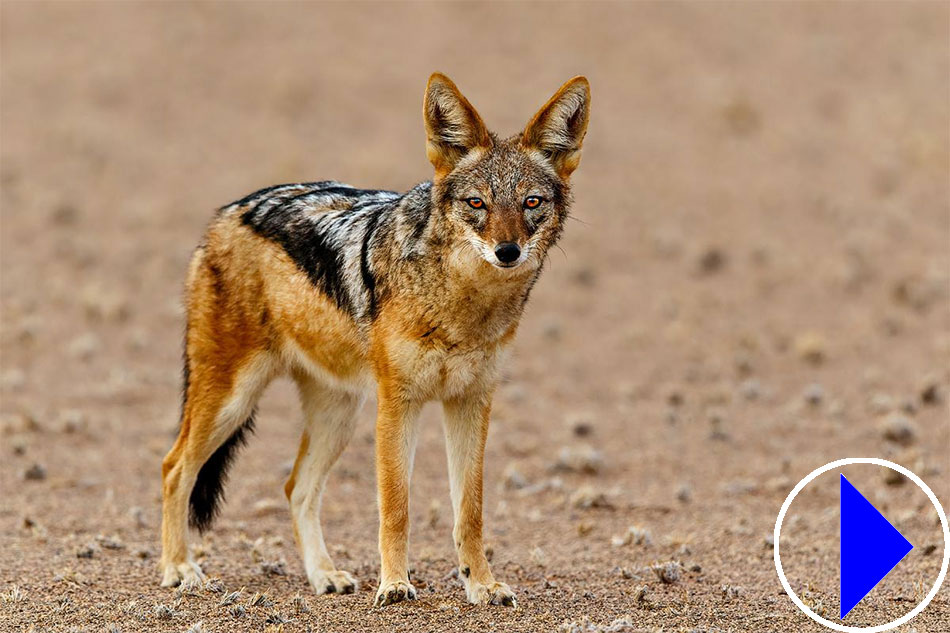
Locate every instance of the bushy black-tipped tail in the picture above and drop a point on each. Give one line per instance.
(208, 493)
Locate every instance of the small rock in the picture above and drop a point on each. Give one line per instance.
(880, 403)
(811, 348)
(86, 551)
(684, 494)
(72, 421)
(579, 459)
(274, 568)
(668, 573)
(110, 542)
(930, 391)
(899, 429)
(581, 425)
(711, 260)
(751, 389)
(587, 497)
(675, 397)
(84, 347)
(513, 479)
(36, 472)
(641, 594)
(893, 477)
(729, 592)
(814, 394)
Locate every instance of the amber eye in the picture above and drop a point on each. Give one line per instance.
(532, 202)
(476, 203)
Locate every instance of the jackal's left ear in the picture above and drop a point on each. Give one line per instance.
(558, 129)
(453, 127)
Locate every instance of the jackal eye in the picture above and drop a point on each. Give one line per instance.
(532, 202)
(475, 203)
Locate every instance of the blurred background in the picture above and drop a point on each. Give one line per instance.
(756, 284)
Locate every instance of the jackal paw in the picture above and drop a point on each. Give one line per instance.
(393, 592)
(335, 581)
(186, 574)
(493, 593)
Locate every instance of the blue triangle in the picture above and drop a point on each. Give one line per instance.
(870, 547)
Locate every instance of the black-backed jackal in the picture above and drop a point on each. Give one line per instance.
(344, 289)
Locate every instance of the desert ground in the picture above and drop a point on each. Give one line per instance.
(756, 283)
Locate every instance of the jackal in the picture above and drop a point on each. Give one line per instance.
(344, 289)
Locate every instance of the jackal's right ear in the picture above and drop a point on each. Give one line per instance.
(453, 127)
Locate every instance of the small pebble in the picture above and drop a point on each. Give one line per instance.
(930, 391)
(711, 260)
(814, 394)
(513, 479)
(880, 403)
(274, 568)
(684, 494)
(811, 348)
(667, 573)
(36, 472)
(899, 429)
(751, 389)
(587, 497)
(110, 542)
(579, 459)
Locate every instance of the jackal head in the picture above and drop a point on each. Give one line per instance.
(508, 199)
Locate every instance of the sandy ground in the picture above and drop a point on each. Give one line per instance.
(757, 284)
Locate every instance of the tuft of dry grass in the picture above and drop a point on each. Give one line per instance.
(164, 612)
(13, 596)
(635, 535)
(299, 604)
(231, 598)
(260, 600)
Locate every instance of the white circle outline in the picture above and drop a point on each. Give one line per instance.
(907, 617)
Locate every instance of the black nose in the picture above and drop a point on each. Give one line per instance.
(507, 252)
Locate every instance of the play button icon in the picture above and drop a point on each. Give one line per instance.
(870, 547)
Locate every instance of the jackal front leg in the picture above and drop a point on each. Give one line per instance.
(395, 447)
(466, 429)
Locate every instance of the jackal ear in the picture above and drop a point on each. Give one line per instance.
(453, 127)
(558, 129)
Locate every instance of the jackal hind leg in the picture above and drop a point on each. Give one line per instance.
(329, 421)
(216, 418)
